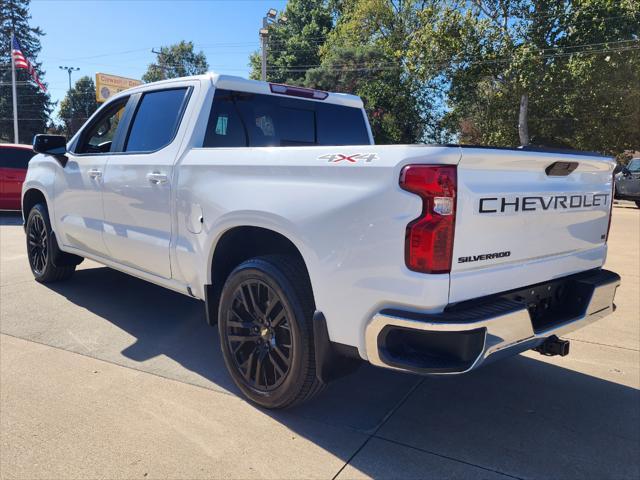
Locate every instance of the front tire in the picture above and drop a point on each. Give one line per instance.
(266, 331)
(638, 203)
(41, 248)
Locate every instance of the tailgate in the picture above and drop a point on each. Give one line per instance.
(527, 217)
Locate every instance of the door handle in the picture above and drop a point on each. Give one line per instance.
(157, 178)
(95, 173)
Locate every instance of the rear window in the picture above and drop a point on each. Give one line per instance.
(11, 157)
(241, 119)
(156, 120)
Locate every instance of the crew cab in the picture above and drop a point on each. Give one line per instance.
(313, 248)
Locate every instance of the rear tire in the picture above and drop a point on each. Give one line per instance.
(266, 331)
(41, 248)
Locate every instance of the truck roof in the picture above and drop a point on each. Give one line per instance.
(233, 82)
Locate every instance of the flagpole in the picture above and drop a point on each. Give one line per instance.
(15, 94)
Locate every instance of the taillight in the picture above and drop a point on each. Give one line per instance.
(429, 238)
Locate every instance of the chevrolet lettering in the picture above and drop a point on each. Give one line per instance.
(534, 203)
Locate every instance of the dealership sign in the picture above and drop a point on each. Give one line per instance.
(108, 85)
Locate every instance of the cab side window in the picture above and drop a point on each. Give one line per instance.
(99, 135)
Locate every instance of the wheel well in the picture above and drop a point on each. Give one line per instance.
(31, 198)
(236, 246)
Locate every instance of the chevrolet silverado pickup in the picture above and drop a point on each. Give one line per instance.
(311, 247)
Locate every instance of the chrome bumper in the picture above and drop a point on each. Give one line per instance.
(458, 341)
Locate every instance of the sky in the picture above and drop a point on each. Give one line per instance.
(116, 36)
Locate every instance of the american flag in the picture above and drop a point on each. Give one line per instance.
(23, 62)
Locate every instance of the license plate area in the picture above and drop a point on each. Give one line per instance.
(554, 303)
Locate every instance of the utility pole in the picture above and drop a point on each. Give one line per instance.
(161, 65)
(69, 70)
(15, 96)
(264, 31)
(268, 19)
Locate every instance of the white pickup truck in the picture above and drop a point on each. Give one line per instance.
(311, 247)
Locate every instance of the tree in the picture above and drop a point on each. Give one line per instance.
(78, 105)
(34, 106)
(377, 32)
(293, 46)
(391, 102)
(178, 60)
(557, 73)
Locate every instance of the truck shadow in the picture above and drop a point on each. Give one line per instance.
(522, 416)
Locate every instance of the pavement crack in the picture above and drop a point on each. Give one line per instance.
(380, 425)
(453, 459)
(604, 344)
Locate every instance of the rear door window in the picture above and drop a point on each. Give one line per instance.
(15, 157)
(156, 120)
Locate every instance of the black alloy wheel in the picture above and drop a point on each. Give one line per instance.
(265, 323)
(258, 335)
(47, 262)
(37, 241)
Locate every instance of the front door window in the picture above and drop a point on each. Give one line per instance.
(99, 136)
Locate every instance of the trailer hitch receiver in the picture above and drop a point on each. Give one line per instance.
(553, 346)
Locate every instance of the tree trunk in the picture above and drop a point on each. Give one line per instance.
(523, 127)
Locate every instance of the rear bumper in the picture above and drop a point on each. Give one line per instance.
(471, 333)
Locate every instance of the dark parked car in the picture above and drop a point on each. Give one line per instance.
(13, 168)
(628, 182)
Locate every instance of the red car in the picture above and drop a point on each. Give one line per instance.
(13, 168)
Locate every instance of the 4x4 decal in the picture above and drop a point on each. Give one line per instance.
(351, 158)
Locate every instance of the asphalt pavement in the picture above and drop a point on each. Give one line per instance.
(106, 376)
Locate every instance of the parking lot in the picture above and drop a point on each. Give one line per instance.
(106, 376)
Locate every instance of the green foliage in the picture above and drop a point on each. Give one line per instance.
(34, 105)
(293, 46)
(390, 99)
(78, 105)
(179, 60)
(365, 54)
(576, 60)
(458, 70)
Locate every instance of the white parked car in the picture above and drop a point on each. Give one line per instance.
(311, 246)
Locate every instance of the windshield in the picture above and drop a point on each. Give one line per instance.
(634, 165)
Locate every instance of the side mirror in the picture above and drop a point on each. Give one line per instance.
(55, 145)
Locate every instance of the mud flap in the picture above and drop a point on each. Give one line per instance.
(331, 360)
(210, 303)
(60, 258)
